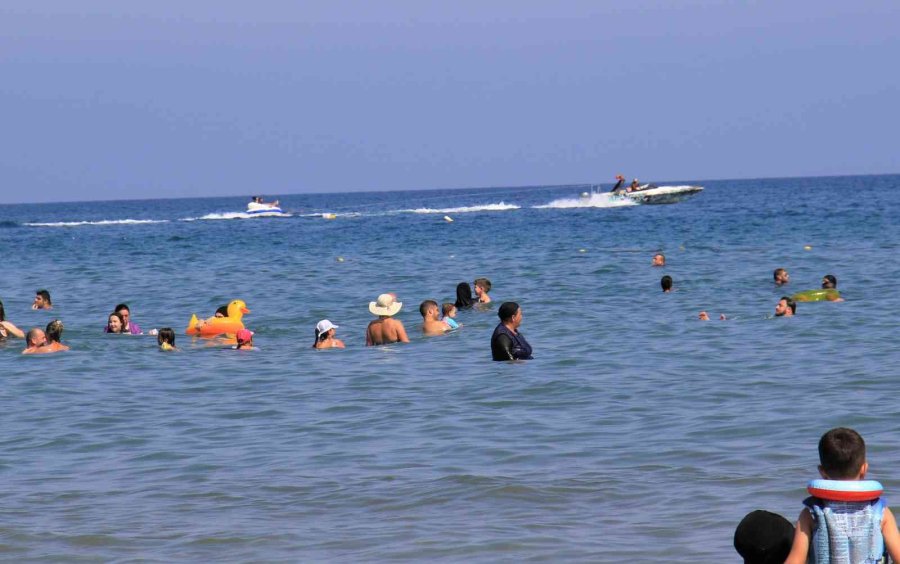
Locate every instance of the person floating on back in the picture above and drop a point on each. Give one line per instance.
(385, 329)
(507, 343)
(42, 300)
(844, 531)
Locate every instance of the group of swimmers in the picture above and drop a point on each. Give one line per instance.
(786, 306)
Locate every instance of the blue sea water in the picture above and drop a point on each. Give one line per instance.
(638, 433)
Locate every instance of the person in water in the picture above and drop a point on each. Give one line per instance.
(507, 343)
(859, 527)
(464, 296)
(763, 537)
(244, 339)
(115, 323)
(659, 259)
(7, 328)
(431, 324)
(165, 338)
(786, 307)
(35, 341)
(448, 312)
(325, 339)
(385, 329)
(620, 180)
(42, 300)
(129, 326)
(53, 333)
(829, 282)
(781, 276)
(666, 284)
(482, 287)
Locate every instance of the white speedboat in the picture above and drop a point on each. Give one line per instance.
(256, 208)
(651, 194)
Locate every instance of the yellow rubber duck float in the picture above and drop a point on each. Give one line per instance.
(217, 325)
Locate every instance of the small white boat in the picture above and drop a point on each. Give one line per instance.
(256, 208)
(652, 194)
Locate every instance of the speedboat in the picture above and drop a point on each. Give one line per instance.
(256, 208)
(653, 194)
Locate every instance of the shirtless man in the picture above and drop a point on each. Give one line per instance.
(35, 342)
(42, 300)
(482, 287)
(385, 330)
(786, 307)
(781, 276)
(431, 324)
(659, 259)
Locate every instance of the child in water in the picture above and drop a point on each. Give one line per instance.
(844, 531)
(166, 339)
(448, 311)
(244, 339)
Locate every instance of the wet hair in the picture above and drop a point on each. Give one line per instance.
(44, 294)
(166, 335)
(790, 303)
(842, 452)
(120, 307)
(54, 330)
(121, 320)
(321, 336)
(2, 312)
(223, 310)
(464, 296)
(484, 284)
(763, 537)
(666, 282)
(507, 311)
(777, 272)
(831, 278)
(446, 308)
(423, 307)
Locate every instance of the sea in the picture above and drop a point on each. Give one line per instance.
(637, 432)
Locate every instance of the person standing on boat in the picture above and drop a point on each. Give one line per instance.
(620, 180)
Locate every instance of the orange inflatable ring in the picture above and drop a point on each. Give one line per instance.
(845, 490)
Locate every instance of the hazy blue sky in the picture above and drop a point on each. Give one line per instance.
(112, 99)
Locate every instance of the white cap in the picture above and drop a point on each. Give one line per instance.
(325, 325)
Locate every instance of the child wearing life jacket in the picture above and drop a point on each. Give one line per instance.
(846, 520)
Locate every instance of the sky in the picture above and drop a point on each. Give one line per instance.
(105, 100)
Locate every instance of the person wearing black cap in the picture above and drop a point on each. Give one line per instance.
(507, 343)
(763, 537)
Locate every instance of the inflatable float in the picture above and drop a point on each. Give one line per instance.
(218, 325)
(845, 490)
(823, 295)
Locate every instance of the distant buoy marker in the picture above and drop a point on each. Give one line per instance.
(448, 219)
(807, 247)
(340, 259)
(328, 216)
(582, 250)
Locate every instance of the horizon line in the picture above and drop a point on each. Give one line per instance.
(377, 191)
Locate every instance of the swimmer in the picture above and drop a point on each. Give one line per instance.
(244, 339)
(385, 329)
(35, 342)
(431, 324)
(464, 296)
(666, 284)
(448, 310)
(482, 287)
(42, 300)
(507, 342)
(7, 328)
(166, 339)
(786, 307)
(130, 327)
(659, 259)
(781, 276)
(325, 339)
(829, 282)
(115, 323)
(222, 311)
(54, 333)
(703, 316)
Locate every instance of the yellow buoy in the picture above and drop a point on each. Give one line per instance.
(328, 216)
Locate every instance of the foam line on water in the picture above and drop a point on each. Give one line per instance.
(101, 222)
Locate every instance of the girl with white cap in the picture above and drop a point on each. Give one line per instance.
(325, 336)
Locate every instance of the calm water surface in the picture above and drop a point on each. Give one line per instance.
(637, 433)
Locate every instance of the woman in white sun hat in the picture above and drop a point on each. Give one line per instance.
(325, 336)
